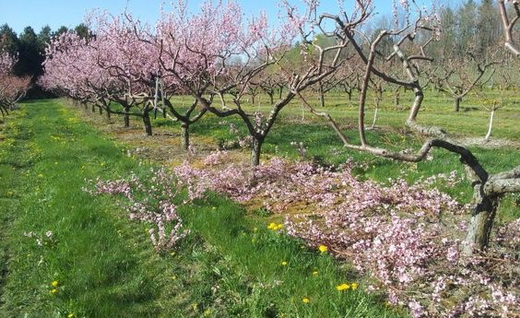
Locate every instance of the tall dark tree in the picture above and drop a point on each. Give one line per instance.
(44, 37)
(9, 40)
(62, 29)
(30, 55)
(83, 31)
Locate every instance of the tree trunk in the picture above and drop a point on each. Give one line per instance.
(147, 123)
(322, 96)
(374, 120)
(126, 117)
(271, 98)
(349, 94)
(185, 136)
(256, 150)
(93, 108)
(479, 230)
(490, 127)
(457, 101)
(397, 98)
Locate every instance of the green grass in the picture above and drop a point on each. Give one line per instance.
(104, 264)
(231, 264)
(101, 264)
(324, 147)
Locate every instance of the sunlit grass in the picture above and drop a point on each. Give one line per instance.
(69, 254)
(232, 264)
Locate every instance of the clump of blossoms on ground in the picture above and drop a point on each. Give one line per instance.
(149, 199)
(405, 238)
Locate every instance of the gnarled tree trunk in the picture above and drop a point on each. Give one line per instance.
(185, 136)
(256, 150)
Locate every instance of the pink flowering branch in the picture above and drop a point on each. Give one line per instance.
(12, 88)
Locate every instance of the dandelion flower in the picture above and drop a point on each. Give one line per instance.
(54, 291)
(55, 283)
(306, 300)
(284, 263)
(70, 315)
(323, 248)
(275, 226)
(315, 273)
(354, 286)
(342, 287)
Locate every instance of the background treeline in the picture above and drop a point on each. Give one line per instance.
(29, 47)
(470, 31)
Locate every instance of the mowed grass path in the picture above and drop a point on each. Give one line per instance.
(53, 231)
(65, 253)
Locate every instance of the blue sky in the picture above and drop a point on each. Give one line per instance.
(37, 13)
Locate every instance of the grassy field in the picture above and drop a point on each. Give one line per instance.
(297, 125)
(65, 253)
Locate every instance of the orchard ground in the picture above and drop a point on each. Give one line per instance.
(216, 270)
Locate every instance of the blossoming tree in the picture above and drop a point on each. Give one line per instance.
(12, 88)
(411, 38)
(216, 57)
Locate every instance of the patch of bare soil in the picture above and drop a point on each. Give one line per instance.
(163, 147)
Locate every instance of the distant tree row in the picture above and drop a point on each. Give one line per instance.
(29, 50)
(470, 35)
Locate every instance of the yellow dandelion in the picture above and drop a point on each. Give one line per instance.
(54, 291)
(306, 300)
(354, 286)
(275, 226)
(71, 315)
(272, 226)
(315, 273)
(55, 283)
(323, 248)
(284, 263)
(342, 287)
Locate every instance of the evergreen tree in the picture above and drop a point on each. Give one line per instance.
(9, 40)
